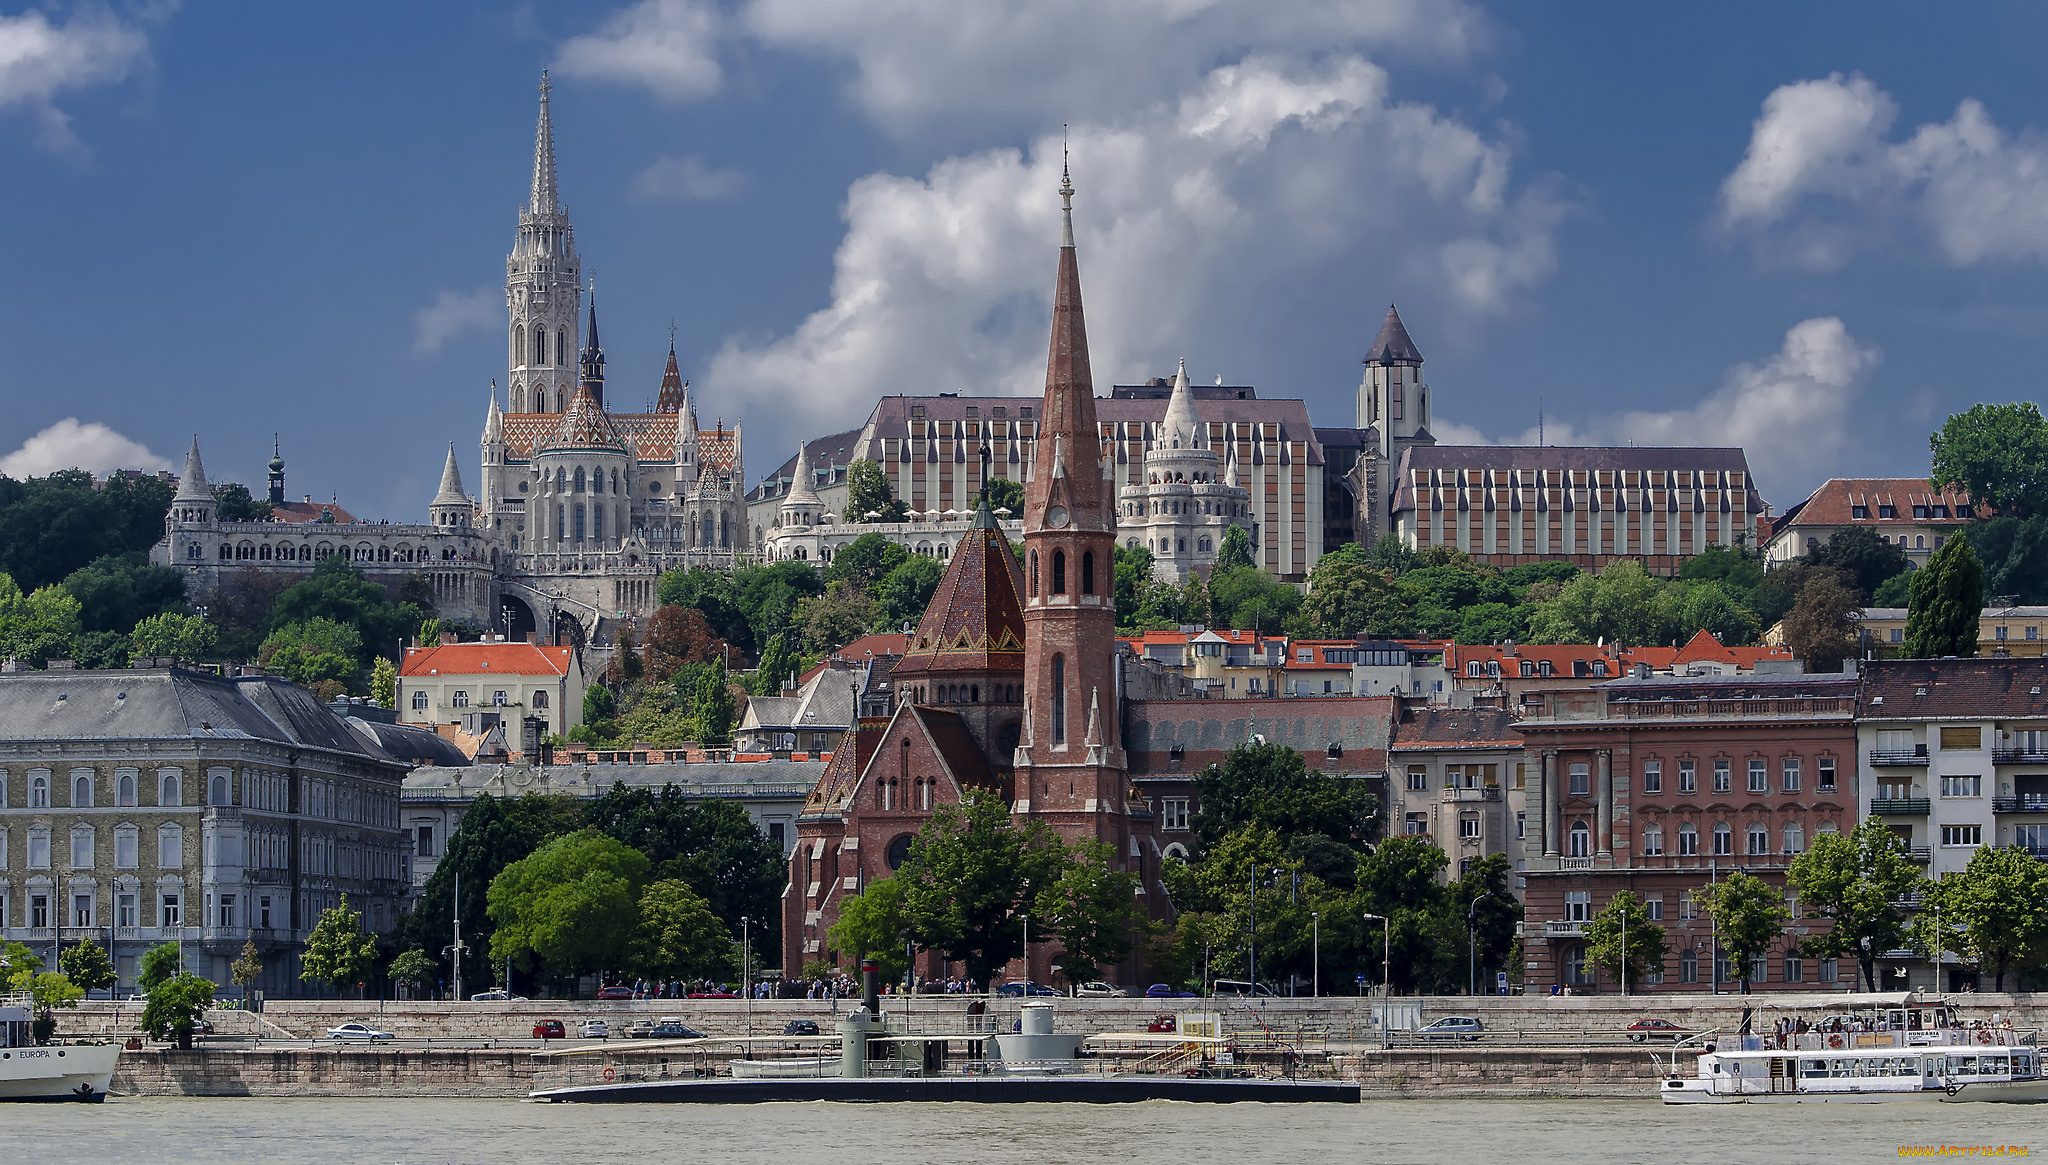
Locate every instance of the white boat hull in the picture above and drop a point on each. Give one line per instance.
(2015, 1092)
(59, 1072)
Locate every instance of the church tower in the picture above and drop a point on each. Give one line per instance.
(1393, 406)
(1070, 763)
(542, 278)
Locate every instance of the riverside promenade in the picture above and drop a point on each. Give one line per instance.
(1536, 1046)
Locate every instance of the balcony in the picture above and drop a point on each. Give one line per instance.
(1556, 929)
(2019, 756)
(1758, 709)
(1901, 806)
(1488, 793)
(1895, 757)
(2024, 803)
(1920, 853)
(1575, 863)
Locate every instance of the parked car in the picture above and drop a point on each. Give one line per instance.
(549, 1029)
(357, 1031)
(1656, 1029)
(641, 1029)
(596, 1029)
(1452, 1027)
(615, 993)
(1163, 991)
(496, 997)
(1163, 1023)
(1100, 990)
(676, 1029)
(801, 1027)
(1020, 989)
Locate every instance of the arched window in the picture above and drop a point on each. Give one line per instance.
(540, 346)
(219, 794)
(1059, 698)
(518, 342)
(540, 399)
(615, 481)
(579, 479)
(1581, 841)
(579, 518)
(597, 523)
(81, 790)
(561, 342)
(124, 789)
(1688, 841)
(1688, 966)
(974, 693)
(168, 794)
(1034, 574)
(1653, 841)
(1087, 572)
(1059, 572)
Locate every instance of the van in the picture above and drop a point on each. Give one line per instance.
(1241, 987)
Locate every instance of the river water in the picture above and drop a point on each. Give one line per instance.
(1568, 1132)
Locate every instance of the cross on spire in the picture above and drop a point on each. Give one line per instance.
(1066, 194)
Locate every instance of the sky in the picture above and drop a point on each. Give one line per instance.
(1810, 230)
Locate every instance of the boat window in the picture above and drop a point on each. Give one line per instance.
(1962, 1065)
(1994, 1065)
(1813, 1068)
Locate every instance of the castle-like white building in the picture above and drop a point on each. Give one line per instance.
(582, 508)
(1188, 498)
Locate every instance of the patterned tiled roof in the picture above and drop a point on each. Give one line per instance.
(652, 435)
(584, 425)
(975, 621)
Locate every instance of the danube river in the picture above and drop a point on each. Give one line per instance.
(1475, 1132)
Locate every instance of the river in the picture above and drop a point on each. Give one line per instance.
(1568, 1132)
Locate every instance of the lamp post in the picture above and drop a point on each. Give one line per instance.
(1624, 950)
(1315, 922)
(1386, 960)
(456, 950)
(1472, 945)
(1253, 945)
(746, 968)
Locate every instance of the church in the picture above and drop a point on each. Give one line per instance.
(1008, 686)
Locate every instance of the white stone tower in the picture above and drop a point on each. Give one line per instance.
(1393, 408)
(1181, 511)
(543, 276)
(451, 508)
(494, 481)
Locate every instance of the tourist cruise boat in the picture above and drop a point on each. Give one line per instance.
(1873, 1050)
(52, 1071)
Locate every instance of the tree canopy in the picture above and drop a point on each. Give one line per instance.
(570, 906)
(1946, 605)
(1997, 452)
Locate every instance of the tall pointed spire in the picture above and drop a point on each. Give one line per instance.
(1181, 428)
(1392, 345)
(546, 199)
(1066, 200)
(671, 398)
(1066, 482)
(451, 481)
(802, 492)
(192, 485)
(591, 380)
(494, 418)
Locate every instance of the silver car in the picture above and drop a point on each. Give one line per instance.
(1452, 1027)
(357, 1031)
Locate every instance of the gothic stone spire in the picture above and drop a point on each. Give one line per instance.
(671, 398)
(1066, 482)
(546, 199)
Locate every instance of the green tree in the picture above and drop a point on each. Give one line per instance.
(19, 966)
(868, 492)
(1348, 597)
(159, 964)
(415, 970)
(1401, 880)
(864, 562)
(1248, 598)
(1492, 623)
(2014, 552)
(384, 683)
(1995, 913)
(836, 618)
(185, 638)
(1643, 949)
(1005, 494)
(1735, 567)
(494, 834)
(1716, 609)
(1863, 555)
(1821, 629)
(713, 707)
(37, 627)
(316, 650)
(570, 905)
(338, 951)
(115, 591)
(234, 503)
(54, 989)
(1131, 574)
(1998, 453)
(712, 846)
(1269, 785)
(247, 967)
(777, 665)
(175, 1006)
(1897, 591)
(904, 593)
(1619, 605)
(1748, 914)
(88, 966)
(873, 924)
(677, 936)
(1236, 550)
(1091, 908)
(598, 707)
(1947, 602)
(967, 879)
(1853, 879)
(52, 526)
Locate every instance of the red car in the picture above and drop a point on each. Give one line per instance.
(615, 993)
(549, 1029)
(1162, 1023)
(1656, 1029)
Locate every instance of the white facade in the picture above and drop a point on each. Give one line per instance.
(1187, 499)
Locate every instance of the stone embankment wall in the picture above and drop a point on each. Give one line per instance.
(354, 1071)
(1468, 1072)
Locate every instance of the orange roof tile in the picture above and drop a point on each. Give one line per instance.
(468, 659)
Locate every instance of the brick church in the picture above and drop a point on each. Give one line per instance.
(1008, 686)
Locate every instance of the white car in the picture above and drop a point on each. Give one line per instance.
(357, 1031)
(596, 1029)
(496, 997)
(1100, 990)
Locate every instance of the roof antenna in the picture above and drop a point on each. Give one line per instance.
(1539, 422)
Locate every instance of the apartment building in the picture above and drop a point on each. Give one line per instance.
(1904, 511)
(1456, 777)
(450, 682)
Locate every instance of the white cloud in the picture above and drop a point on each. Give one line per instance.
(68, 444)
(1823, 178)
(667, 45)
(453, 312)
(688, 179)
(917, 62)
(39, 60)
(1790, 412)
(1189, 214)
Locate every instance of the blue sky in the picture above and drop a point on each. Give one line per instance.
(1810, 230)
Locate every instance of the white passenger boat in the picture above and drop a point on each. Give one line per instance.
(1885, 1051)
(52, 1071)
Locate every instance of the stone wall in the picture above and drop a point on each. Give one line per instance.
(353, 1071)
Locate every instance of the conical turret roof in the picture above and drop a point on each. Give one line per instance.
(671, 398)
(1182, 427)
(192, 485)
(1392, 345)
(494, 418)
(584, 425)
(451, 480)
(801, 492)
(975, 621)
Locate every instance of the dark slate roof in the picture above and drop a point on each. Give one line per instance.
(411, 743)
(1161, 388)
(1427, 728)
(172, 704)
(739, 780)
(1766, 685)
(1393, 344)
(1512, 465)
(1958, 689)
(1361, 726)
(830, 455)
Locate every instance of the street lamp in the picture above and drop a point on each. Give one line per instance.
(1624, 950)
(746, 969)
(1386, 960)
(1472, 945)
(1315, 922)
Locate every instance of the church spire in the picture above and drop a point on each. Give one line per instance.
(546, 200)
(592, 360)
(1066, 481)
(671, 398)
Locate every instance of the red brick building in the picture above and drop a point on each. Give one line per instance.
(1007, 687)
(1659, 785)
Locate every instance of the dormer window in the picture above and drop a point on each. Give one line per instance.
(1887, 511)
(1859, 512)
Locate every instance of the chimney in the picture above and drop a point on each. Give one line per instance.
(447, 637)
